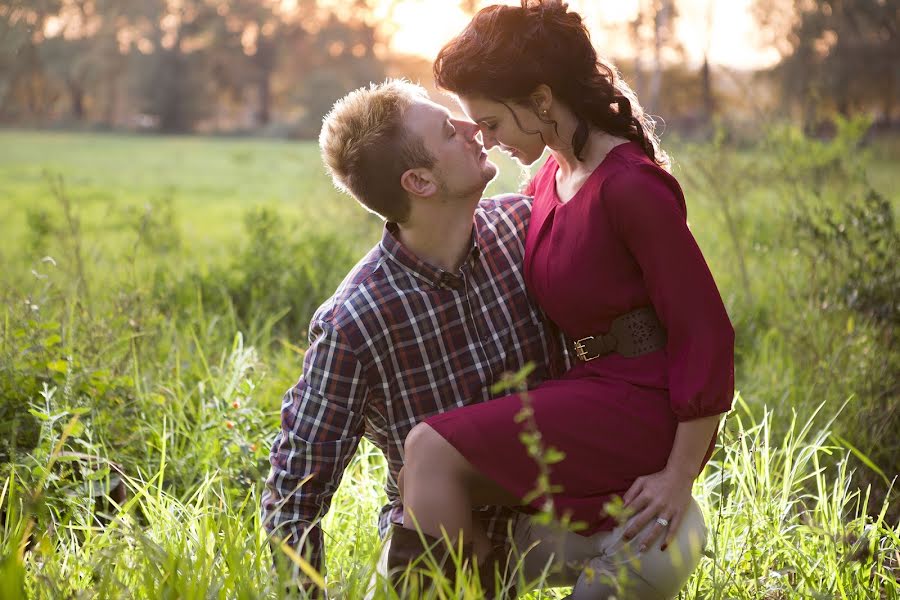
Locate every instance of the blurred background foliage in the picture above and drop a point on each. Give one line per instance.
(274, 67)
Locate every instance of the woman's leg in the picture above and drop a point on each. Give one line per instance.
(440, 487)
(620, 571)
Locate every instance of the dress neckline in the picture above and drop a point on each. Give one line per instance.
(557, 200)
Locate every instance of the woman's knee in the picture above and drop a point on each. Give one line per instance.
(425, 446)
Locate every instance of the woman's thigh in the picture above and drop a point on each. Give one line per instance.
(650, 575)
(561, 556)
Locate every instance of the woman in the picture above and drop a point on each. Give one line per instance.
(611, 260)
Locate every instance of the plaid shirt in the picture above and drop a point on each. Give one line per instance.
(399, 341)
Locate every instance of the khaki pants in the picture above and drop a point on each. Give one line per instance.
(604, 565)
(600, 566)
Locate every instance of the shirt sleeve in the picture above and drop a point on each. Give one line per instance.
(321, 426)
(647, 209)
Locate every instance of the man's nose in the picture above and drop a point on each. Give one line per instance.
(469, 129)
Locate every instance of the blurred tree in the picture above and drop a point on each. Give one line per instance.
(84, 52)
(469, 6)
(173, 64)
(248, 42)
(347, 58)
(653, 33)
(23, 82)
(706, 85)
(173, 81)
(838, 55)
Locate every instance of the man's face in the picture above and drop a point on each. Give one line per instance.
(461, 167)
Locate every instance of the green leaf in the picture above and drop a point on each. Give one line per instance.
(59, 366)
(76, 429)
(553, 456)
(862, 457)
(39, 415)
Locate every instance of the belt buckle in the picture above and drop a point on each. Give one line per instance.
(581, 351)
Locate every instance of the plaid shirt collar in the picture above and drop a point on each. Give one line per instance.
(437, 277)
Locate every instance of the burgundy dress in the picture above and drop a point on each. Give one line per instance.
(620, 243)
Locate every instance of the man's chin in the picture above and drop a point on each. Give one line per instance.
(490, 172)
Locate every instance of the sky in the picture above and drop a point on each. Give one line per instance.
(423, 26)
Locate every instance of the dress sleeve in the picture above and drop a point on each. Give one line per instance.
(647, 209)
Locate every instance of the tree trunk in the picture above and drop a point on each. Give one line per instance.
(264, 89)
(709, 106)
(639, 79)
(660, 19)
(76, 97)
(888, 98)
(112, 99)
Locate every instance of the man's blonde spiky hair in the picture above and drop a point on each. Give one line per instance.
(366, 148)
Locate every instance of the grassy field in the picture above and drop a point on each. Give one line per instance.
(156, 292)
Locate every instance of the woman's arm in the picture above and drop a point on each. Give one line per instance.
(666, 494)
(647, 210)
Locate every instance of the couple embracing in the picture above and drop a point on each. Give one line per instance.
(592, 277)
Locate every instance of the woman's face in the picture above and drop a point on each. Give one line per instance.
(516, 129)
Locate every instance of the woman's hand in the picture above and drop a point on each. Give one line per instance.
(663, 495)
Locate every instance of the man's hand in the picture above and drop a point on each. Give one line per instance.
(663, 497)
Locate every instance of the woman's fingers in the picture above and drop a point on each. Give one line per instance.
(633, 492)
(645, 512)
(662, 522)
(672, 529)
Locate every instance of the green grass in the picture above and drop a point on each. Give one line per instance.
(167, 347)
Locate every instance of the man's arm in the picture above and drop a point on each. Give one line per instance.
(321, 425)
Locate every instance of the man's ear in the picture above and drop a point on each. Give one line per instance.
(419, 182)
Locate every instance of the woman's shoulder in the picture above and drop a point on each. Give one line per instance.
(542, 178)
(635, 179)
(629, 157)
(632, 166)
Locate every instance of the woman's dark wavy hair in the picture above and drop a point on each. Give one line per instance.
(506, 52)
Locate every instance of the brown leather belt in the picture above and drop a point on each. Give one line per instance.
(632, 334)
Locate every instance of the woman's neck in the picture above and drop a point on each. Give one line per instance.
(596, 147)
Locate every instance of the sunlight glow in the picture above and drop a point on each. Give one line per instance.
(422, 26)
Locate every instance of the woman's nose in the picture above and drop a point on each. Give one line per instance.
(488, 140)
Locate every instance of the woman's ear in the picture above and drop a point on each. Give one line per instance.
(419, 182)
(542, 99)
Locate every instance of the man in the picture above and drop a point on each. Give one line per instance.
(427, 321)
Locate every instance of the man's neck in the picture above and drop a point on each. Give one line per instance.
(440, 234)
